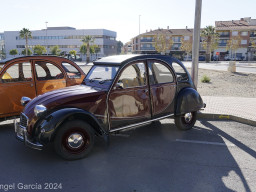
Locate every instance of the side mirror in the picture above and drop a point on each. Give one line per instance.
(119, 85)
(179, 78)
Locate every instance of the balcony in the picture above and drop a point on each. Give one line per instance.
(147, 48)
(222, 44)
(146, 40)
(224, 35)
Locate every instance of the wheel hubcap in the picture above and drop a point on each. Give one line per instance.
(75, 140)
(188, 117)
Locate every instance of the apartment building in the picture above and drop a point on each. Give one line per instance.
(67, 38)
(245, 28)
(145, 44)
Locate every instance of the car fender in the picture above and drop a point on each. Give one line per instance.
(188, 100)
(51, 123)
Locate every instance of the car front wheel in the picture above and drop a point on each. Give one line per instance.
(74, 140)
(186, 121)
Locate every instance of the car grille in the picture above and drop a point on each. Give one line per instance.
(23, 120)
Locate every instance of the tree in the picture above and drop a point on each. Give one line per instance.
(29, 52)
(25, 34)
(83, 49)
(39, 49)
(55, 50)
(210, 40)
(72, 52)
(87, 40)
(186, 46)
(252, 48)
(13, 52)
(233, 44)
(162, 43)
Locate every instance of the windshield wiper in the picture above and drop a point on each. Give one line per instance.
(91, 80)
(103, 81)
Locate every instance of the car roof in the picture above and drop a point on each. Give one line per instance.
(119, 60)
(32, 56)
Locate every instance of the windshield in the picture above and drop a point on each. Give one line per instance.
(101, 76)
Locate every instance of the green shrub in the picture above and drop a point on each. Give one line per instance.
(205, 79)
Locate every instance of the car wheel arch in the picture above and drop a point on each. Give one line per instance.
(188, 100)
(61, 116)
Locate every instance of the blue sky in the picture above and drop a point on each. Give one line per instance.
(121, 16)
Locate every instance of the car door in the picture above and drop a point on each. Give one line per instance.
(16, 81)
(48, 76)
(129, 100)
(162, 88)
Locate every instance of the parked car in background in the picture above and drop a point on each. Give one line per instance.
(118, 93)
(227, 58)
(201, 58)
(31, 76)
(237, 58)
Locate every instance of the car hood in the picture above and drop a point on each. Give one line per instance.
(63, 98)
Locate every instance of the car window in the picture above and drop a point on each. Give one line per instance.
(72, 72)
(159, 73)
(20, 72)
(180, 72)
(47, 71)
(133, 76)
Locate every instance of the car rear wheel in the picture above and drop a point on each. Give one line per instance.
(74, 140)
(186, 121)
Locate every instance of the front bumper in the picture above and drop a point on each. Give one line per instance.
(22, 135)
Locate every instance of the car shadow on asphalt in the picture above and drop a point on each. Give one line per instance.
(148, 158)
(237, 143)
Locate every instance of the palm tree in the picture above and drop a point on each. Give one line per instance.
(25, 34)
(87, 40)
(210, 40)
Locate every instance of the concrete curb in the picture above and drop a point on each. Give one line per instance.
(226, 117)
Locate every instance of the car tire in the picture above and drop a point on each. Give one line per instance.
(74, 140)
(185, 121)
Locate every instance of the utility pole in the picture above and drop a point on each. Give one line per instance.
(196, 42)
(46, 39)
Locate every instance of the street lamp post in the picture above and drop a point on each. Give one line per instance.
(46, 43)
(196, 41)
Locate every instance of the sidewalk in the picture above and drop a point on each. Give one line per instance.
(241, 67)
(239, 109)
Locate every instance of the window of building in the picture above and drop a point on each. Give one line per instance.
(47, 71)
(186, 38)
(243, 42)
(244, 33)
(133, 76)
(18, 73)
(234, 33)
(176, 39)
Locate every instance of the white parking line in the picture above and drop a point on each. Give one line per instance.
(205, 142)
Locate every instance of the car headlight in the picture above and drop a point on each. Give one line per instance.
(24, 100)
(39, 109)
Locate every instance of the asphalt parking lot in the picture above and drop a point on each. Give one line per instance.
(214, 156)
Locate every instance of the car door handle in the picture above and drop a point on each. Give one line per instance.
(31, 84)
(63, 81)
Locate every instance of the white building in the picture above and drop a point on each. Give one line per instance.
(67, 38)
